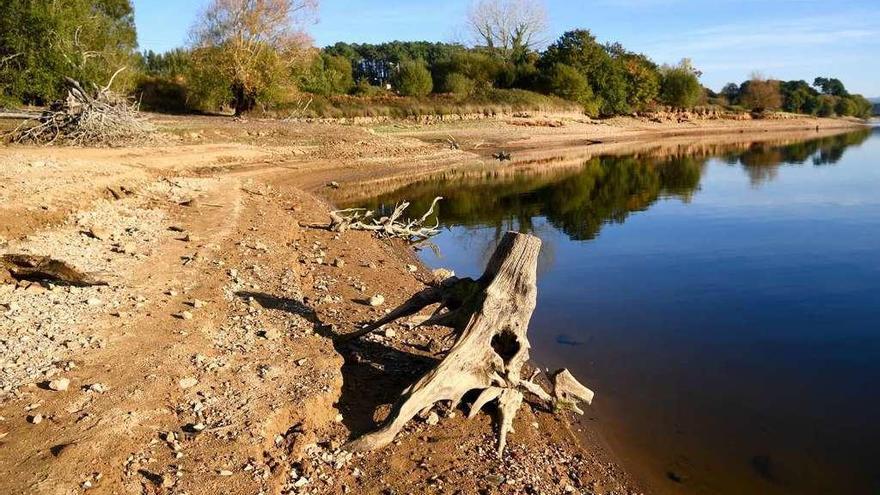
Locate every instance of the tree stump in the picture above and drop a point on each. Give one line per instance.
(492, 316)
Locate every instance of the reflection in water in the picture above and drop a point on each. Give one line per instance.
(606, 189)
(730, 328)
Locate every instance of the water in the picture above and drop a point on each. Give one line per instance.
(724, 304)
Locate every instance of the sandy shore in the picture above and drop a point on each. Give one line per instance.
(207, 365)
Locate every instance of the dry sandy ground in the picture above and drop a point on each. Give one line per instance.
(207, 365)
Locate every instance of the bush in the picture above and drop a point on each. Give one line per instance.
(328, 75)
(364, 88)
(680, 87)
(159, 94)
(566, 82)
(759, 95)
(413, 79)
(459, 84)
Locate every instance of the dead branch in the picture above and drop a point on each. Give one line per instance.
(15, 267)
(412, 230)
(492, 320)
(84, 118)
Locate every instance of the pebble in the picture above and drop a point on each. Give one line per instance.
(224, 472)
(187, 382)
(59, 384)
(390, 333)
(412, 268)
(197, 304)
(338, 262)
(35, 419)
(99, 388)
(433, 418)
(338, 418)
(377, 300)
(443, 273)
(93, 301)
(185, 315)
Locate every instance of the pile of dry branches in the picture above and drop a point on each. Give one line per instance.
(412, 230)
(100, 118)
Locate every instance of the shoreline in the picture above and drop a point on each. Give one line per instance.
(218, 217)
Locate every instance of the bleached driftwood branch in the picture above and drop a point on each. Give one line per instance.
(491, 315)
(413, 230)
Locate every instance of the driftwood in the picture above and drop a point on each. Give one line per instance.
(492, 316)
(16, 267)
(412, 230)
(86, 118)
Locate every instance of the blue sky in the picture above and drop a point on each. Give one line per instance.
(727, 39)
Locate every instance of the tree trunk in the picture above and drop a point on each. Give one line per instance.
(492, 348)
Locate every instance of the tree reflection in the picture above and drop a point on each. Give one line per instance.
(606, 189)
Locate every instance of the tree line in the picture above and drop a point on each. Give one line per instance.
(247, 53)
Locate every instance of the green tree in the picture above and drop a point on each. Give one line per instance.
(42, 41)
(798, 97)
(730, 92)
(413, 78)
(328, 75)
(830, 86)
(459, 84)
(680, 85)
(567, 82)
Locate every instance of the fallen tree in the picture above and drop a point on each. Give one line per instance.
(491, 316)
(412, 230)
(100, 117)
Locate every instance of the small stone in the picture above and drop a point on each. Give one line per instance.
(377, 300)
(301, 482)
(390, 333)
(86, 484)
(187, 382)
(197, 304)
(442, 274)
(338, 263)
(98, 388)
(412, 268)
(93, 301)
(199, 426)
(270, 334)
(338, 418)
(300, 362)
(35, 419)
(59, 384)
(185, 315)
(169, 437)
(433, 418)
(99, 233)
(224, 472)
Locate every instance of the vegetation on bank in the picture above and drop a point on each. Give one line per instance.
(255, 55)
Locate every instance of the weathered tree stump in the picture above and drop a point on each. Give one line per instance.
(492, 316)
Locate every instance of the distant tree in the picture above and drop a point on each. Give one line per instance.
(248, 47)
(680, 86)
(327, 75)
(43, 41)
(761, 94)
(413, 78)
(798, 97)
(510, 28)
(830, 86)
(730, 92)
(606, 75)
(825, 105)
(642, 79)
(567, 82)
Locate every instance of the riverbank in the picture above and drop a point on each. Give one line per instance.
(209, 357)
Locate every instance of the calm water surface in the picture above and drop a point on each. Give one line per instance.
(724, 304)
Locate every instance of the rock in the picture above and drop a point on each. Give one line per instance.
(197, 304)
(300, 362)
(338, 418)
(35, 419)
(98, 388)
(412, 268)
(185, 315)
(377, 300)
(59, 384)
(338, 262)
(224, 472)
(441, 274)
(433, 418)
(270, 334)
(187, 382)
(390, 333)
(99, 233)
(93, 301)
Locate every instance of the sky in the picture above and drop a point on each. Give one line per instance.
(726, 39)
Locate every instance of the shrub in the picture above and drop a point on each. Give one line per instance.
(761, 95)
(459, 84)
(566, 82)
(680, 87)
(413, 79)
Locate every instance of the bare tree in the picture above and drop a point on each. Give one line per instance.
(252, 43)
(512, 27)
